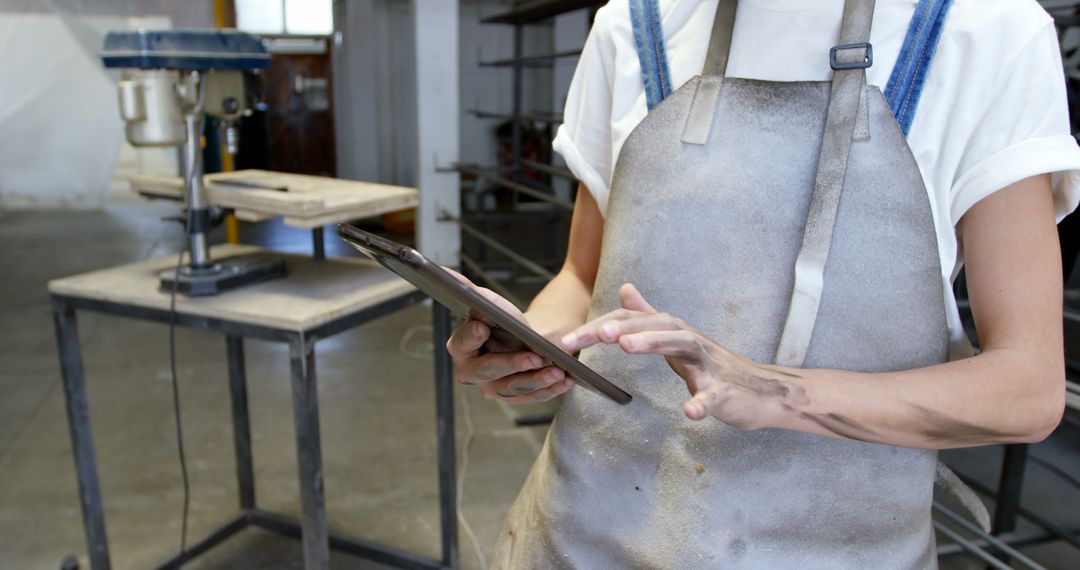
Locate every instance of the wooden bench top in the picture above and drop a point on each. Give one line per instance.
(313, 292)
(306, 202)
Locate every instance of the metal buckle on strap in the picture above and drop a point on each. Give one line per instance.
(867, 61)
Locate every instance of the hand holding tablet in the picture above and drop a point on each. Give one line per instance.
(508, 330)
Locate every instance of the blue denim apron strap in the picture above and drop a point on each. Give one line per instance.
(909, 74)
(649, 38)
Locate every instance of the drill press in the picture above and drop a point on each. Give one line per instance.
(172, 80)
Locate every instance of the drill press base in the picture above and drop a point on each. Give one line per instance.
(224, 275)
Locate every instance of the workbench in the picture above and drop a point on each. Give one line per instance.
(300, 200)
(303, 201)
(316, 300)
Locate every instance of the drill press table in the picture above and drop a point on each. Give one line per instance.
(316, 300)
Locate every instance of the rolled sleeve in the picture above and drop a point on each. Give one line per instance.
(1022, 131)
(585, 138)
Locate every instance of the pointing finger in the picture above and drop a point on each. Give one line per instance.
(631, 298)
(681, 344)
(609, 328)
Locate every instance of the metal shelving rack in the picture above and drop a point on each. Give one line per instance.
(511, 178)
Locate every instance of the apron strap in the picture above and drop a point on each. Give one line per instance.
(703, 107)
(908, 75)
(849, 61)
(720, 39)
(649, 39)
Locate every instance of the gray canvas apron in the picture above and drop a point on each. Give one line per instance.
(789, 222)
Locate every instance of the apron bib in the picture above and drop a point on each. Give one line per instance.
(789, 222)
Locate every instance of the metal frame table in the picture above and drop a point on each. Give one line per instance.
(97, 292)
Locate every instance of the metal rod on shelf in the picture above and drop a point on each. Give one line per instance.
(970, 546)
(1017, 539)
(989, 538)
(1054, 529)
(493, 283)
(493, 244)
(516, 186)
(516, 133)
(528, 117)
(554, 170)
(530, 59)
(537, 10)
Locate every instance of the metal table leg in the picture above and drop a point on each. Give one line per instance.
(318, 243)
(82, 444)
(1007, 505)
(245, 473)
(444, 413)
(308, 453)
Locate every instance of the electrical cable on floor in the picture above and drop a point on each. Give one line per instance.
(176, 410)
(424, 352)
(189, 179)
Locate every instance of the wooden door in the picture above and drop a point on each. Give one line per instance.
(297, 91)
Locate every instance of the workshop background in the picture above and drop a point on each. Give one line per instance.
(372, 99)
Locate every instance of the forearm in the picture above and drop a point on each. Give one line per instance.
(561, 306)
(999, 396)
(1013, 391)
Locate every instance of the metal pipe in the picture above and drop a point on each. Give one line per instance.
(1050, 527)
(194, 193)
(970, 546)
(520, 259)
(554, 170)
(82, 440)
(444, 417)
(305, 403)
(515, 127)
(318, 244)
(493, 283)
(530, 59)
(1007, 502)
(245, 471)
(989, 538)
(535, 117)
(517, 187)
(1016, 539)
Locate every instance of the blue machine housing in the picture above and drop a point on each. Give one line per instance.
(184, 49)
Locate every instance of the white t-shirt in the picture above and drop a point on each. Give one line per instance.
(993, 109)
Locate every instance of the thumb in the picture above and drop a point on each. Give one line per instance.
(701, 405)
(630, 298)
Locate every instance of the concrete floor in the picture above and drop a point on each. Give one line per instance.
(377, 421)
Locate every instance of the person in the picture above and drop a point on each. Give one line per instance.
(776, 197)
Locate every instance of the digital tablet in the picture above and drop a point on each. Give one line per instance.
(440, 285)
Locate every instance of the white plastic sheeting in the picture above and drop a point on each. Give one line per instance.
(61, 138)
(59, 129)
